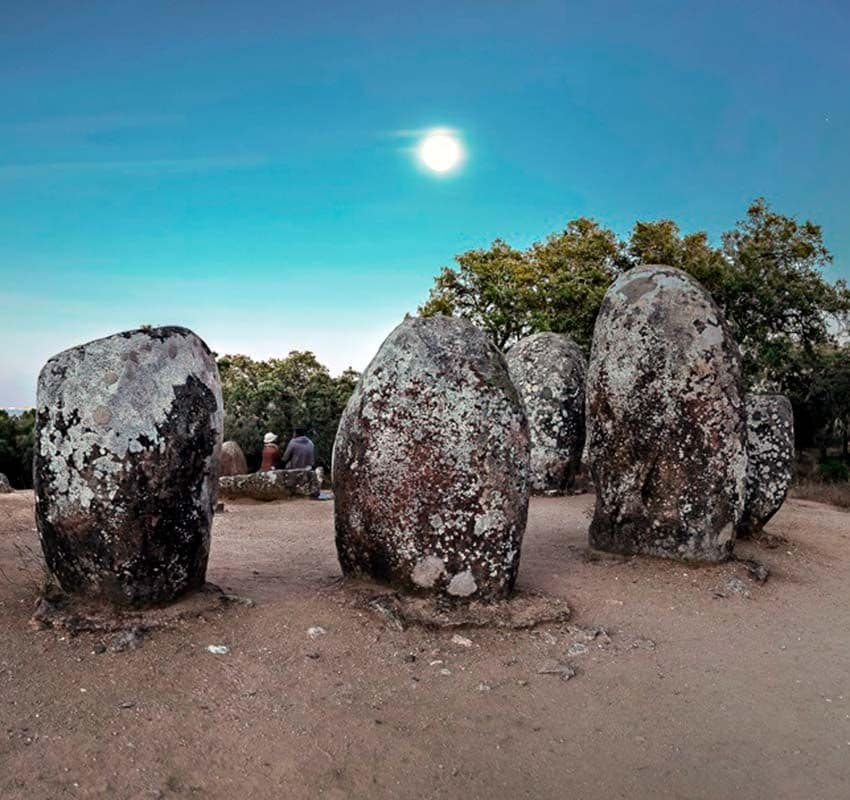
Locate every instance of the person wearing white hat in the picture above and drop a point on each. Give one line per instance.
(271, 453)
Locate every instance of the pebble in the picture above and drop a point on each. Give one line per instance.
(562, 668)
(461, 640)
(218, 649)
(316, 631)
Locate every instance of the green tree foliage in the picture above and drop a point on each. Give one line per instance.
(554, 285)
(818, 384)
(766, 276)
(281, 394)
(17, 442)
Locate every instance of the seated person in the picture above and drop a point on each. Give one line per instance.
(271, 453)
(300, 453)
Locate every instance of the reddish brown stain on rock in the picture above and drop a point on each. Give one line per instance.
(666, 420)
(431, 465)
(233, 461)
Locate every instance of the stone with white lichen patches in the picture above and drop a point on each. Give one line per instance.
(276, 484)
(128, 434)
(549, 371)
(666, 420)
(770, 453)
(431, 465)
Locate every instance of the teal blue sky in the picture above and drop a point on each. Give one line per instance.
(246, 169)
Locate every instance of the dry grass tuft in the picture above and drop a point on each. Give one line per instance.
(834, 494)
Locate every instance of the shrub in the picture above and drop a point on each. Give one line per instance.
(834, 471)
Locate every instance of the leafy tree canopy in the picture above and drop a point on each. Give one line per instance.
(766, 274)
(17, 441)
(281, 394)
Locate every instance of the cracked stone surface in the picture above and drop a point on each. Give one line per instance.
(431, 465)
(233, 460)
(770, 452)
(276, 484)
(549, 371)
(666, 420)
(128, 434)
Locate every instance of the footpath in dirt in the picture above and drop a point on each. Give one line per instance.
(611, 678)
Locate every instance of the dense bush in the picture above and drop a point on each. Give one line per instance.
(278, 395)
(834, 471)
(17, 439)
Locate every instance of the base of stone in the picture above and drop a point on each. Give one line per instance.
(639, 539)
(522, 611)
(278, 484)
(57, 610)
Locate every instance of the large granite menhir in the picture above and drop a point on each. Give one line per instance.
(666, 420)
(126, 468)
(549, 371)
(770, 452)
(431, 465)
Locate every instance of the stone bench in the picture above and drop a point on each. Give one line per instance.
(278, 484)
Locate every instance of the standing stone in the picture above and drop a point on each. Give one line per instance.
(770, 452)
(5, 486)
(233, 460)
(549, 371)
(666, 420)
(431, 465)
(128, 433)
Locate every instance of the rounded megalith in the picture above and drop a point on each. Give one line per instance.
(431, 464)
(128, 434)
(233, 461)
(770, 459)
(5, 486)
(666, 420)
(549, 371)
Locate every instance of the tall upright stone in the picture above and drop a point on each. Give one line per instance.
(128, 433)
(431, 465)
(233, 461)
(549, 371)
(666, 420)
(770, 459)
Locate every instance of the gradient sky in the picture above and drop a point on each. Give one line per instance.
(245, 169)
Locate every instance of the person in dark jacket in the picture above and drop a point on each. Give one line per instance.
(271, 453)
(300, 453)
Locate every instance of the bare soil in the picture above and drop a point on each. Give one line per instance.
(703, 684)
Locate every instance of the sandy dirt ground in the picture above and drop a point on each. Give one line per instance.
(705, 683)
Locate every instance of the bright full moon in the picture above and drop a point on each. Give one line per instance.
(440, 151)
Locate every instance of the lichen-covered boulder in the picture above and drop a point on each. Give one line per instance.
(431, 465)
(770, 459)
(128, 433)
(273, 484)
(233, 460)
(666, 420)
(5, 486)
(549, 371)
